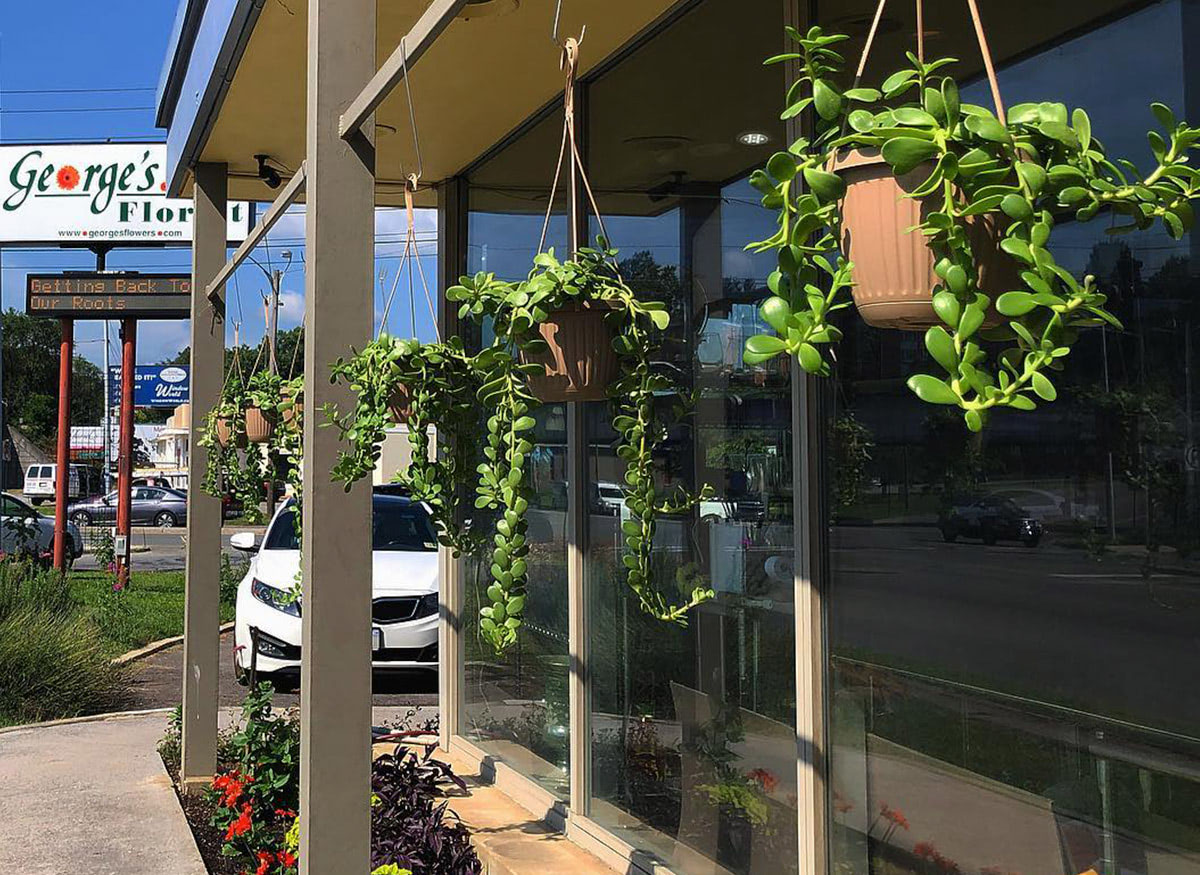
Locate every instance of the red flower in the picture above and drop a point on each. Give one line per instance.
(264, 863)
(287, 858)
(925, 850)
(67, 177)
(241, 826)
(285, 812)
(895, 815)
(764, 778)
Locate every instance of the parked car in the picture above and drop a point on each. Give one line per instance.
(990, 518)
(24, 530)
(1049, 507)
(40, 482)
(404, 606)
(149, 506)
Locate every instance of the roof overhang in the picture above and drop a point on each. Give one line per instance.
(235, 79)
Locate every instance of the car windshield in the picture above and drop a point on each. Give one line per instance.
(397, 525)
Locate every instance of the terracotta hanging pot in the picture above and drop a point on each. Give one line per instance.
(259, 426)
(400, 404)
(580, 362)
(224, 430)
(893, 267)
(291, 413)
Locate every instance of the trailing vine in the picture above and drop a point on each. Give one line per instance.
(233, 467)
(424, 386)
(1019, 174)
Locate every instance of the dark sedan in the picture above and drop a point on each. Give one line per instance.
(990, 518)
(150, 506)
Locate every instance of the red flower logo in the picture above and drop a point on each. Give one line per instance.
(67, 177)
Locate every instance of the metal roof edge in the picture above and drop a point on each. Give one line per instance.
(200, 75)
(179, 48)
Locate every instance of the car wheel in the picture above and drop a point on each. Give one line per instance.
(1031, 541)
(81, 518)
(949, 535)
(165, 520)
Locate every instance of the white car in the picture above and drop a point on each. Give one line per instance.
(24, 530)
(404, 610)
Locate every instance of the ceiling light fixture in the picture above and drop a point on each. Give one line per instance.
(753, 138)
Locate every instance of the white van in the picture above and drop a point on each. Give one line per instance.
(39, 482)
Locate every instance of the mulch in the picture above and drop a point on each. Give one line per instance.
(199, 811)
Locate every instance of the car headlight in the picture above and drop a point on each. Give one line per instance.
(427, 607)
(280, 600)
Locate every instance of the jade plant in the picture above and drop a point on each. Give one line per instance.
(232, 468)
(1022, 173)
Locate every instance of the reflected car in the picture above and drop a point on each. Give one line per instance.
(404, 605)
(990, 518)
(149, 506)
(1048, 507)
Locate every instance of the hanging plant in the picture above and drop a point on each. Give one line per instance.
(422, 386)
(233, 467)
(985, 191)
(509, 369)
(263, 400)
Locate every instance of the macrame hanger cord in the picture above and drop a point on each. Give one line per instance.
(980, 36)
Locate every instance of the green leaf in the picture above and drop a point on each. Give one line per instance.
(1165, 117)
(861, 120)
(829, 187)
(1083, 127)
(1015, 303)
(950, 100)
(931, 390)
(946, 305)
(986, 127)
(1033, 175)
(941, 347)
(910, 115)
(1042, 385)
(782, 166)
(827, 99)
(974, 420)
(900, 77)
(1060, 132)
(761, 347)
(661, 319)
(776, 313)
(905, 153)
(1016, 207)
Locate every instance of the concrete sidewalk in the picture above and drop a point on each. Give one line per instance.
(91, 797)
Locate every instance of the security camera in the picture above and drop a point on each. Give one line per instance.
(266, 172)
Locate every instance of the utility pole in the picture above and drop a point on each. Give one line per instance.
(273, 320)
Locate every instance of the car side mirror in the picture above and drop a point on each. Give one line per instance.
(247, 542)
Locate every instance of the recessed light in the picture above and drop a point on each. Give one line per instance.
(754, 138)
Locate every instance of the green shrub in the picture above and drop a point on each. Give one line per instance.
(24, 584)
(53, 664)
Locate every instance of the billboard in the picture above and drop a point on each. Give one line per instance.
(116, 295)
(153, 385)
(96, 193)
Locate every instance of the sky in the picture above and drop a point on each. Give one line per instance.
(95, 80)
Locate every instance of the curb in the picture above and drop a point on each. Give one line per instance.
(91, 718)
(155, 646)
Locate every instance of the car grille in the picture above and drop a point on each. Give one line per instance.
(394, 610)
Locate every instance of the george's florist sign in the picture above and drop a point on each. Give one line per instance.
(96, 192)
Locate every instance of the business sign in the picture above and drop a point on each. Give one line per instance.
(153, 385)
(96, 193)
(114, 295)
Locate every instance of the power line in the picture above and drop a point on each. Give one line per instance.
(8, 91)
(79, 109)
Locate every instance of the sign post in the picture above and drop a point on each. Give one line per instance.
(62, 473)
(125, 459)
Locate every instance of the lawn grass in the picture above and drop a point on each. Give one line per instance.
(150, 609)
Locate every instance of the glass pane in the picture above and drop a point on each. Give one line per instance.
(516, 704)
(1014, 615)
(693, 738)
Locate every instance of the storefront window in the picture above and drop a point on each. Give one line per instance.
(693, 735)
(516, 704)
(1004, 700)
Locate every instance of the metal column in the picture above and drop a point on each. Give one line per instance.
(201, 613)
(125, 444)
(62, 471)
(335, 685)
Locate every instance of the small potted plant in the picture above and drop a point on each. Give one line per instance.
(975, 182)
(263, 400)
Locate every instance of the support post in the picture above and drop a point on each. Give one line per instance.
(62, 470)
(125, 443)
(335, 675)
(201, 612)
(452, 214)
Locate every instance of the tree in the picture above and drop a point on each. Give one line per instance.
(31, 346)
(289, 352)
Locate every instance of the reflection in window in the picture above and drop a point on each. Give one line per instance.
(693, 736)
(1013, 615)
